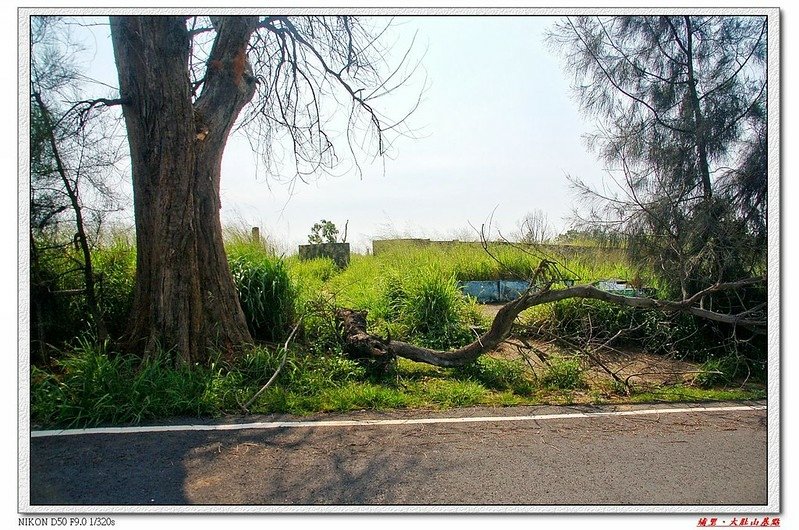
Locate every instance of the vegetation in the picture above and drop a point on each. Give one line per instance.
(323, 232)
(265, 290)
(72, 163)
(411, 294)
(680, 109)
(564, 373)
(124, 332)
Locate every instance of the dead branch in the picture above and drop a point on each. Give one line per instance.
(358, 342)
(245, 407)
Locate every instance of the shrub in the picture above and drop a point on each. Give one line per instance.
(498, 374)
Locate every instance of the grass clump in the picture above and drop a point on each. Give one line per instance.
(453, 393)
(432, 309)
(498, 374)
(89, 387)
(265, 289)
(564, 373)
(722, 371)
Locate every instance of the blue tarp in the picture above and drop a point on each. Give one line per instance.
(494, 290)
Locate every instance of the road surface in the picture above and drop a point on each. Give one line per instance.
(713, 454)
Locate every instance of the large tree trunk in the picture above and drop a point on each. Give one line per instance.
(185, 299)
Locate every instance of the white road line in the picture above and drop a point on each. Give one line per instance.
(356, 423)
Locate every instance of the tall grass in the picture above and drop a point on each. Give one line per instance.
(415, 300)
(90, 387)
(266, 293)
(470, 261)
(114, 264)
(411, 293)
(430, 307)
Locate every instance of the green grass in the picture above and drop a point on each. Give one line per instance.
(115, 266)
(92, 387)
(499, 375)
(564, 373)
(410, 293)
(681, 393)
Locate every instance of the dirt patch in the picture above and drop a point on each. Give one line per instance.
(636, 367)
(490, 310)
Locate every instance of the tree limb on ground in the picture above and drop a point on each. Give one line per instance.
(360, 344)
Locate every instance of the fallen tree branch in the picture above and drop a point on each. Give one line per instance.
(358, 343)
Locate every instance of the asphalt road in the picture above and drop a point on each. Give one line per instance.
(714, 457)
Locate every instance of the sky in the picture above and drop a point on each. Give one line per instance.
(495, 136)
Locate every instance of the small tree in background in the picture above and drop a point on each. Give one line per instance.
(534, 228)
(323, 232)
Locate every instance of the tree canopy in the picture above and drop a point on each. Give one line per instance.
(680, 106)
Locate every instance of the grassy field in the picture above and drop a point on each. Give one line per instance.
(411, 293)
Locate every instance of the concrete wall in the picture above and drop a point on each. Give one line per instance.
(564, 251)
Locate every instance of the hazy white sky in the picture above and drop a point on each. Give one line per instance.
(497, 132)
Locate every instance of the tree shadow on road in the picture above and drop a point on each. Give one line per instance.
(293, 466)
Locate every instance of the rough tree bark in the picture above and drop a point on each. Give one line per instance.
(360, 344)
(699, 132)
(184, 297)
